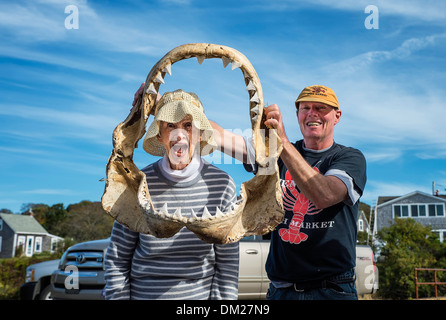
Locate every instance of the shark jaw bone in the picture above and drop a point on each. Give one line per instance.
(127, 199)
(220, 222)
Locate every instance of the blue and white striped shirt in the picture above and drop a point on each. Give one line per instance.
(141, 266)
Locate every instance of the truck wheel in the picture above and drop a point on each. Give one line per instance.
(46, 293)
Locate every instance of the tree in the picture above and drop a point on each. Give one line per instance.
(54, 218)
(406, 245)
(87, 221)
(78, 222)
(39, 211)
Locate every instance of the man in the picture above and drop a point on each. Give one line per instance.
(313, 251)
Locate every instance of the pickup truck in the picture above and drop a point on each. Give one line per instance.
(88, 260)
(37, 284)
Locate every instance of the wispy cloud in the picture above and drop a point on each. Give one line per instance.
(364, 60)
(383, 156)
(374, 189)
(49, 191)
(68, 123)
(422, 10)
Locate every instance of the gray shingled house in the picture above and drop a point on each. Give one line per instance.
(23, 233)
(426, 209)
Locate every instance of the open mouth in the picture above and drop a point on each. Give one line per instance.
(314, 124)
(126, 198)
(180, 149)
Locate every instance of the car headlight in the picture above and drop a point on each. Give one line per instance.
(29, 275)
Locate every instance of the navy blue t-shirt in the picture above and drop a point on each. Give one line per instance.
(312, 244)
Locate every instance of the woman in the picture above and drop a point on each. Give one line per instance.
(140, 266)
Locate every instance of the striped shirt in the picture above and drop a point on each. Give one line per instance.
(141, 266)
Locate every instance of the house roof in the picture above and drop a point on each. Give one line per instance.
(22, 223)
(390, 199)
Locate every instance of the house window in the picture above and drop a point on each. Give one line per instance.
(29, 246)
(401, 210)
(418, 210)
(54, 242)
(38, 245)
(1, 224)
(441, 234)
(21, 242)
(360, 225)
(0, 244)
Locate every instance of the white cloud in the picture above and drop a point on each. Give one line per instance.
(49, 191)
(374, 189)
(382, 156)
(358, 63)
(89, 120)
(424, 10)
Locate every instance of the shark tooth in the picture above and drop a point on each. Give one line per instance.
(149, 208)
(206, 214)
(151, 89)
(193, 217)
(255, 118)
(255, 109)
(200, 59)
(159, 78)
(218, 213)
(255, 98)
(177, 213)
(225, 61)
(164, 208)
(168, 69)
(250, 86)
(235, 65)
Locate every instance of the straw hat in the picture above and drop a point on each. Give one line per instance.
(172, 108)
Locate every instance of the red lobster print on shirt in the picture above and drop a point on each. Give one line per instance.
(295, 201)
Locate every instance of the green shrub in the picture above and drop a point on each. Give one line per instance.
(407, 245)
(13, 273)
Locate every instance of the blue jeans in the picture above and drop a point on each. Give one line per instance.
(339, 287)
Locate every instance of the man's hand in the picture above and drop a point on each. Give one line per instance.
(139, 94)
(274, 120)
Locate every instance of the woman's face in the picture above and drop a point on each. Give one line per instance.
(180, 140)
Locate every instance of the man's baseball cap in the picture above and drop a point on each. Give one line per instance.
(318, 93)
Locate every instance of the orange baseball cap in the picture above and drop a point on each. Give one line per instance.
(318, 93)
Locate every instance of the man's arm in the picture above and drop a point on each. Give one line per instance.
(230, 143)
(323, 191)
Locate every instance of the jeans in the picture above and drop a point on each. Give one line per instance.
(341, 287)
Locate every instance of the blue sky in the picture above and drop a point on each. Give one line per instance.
(63, 91)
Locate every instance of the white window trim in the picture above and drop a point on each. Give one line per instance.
(419, 204)
(360, 225)
(29, 246)
(38, 245)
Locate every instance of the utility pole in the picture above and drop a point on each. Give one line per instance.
(371, 229)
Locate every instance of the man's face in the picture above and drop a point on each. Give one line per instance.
(317, 121)
(180, 140)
